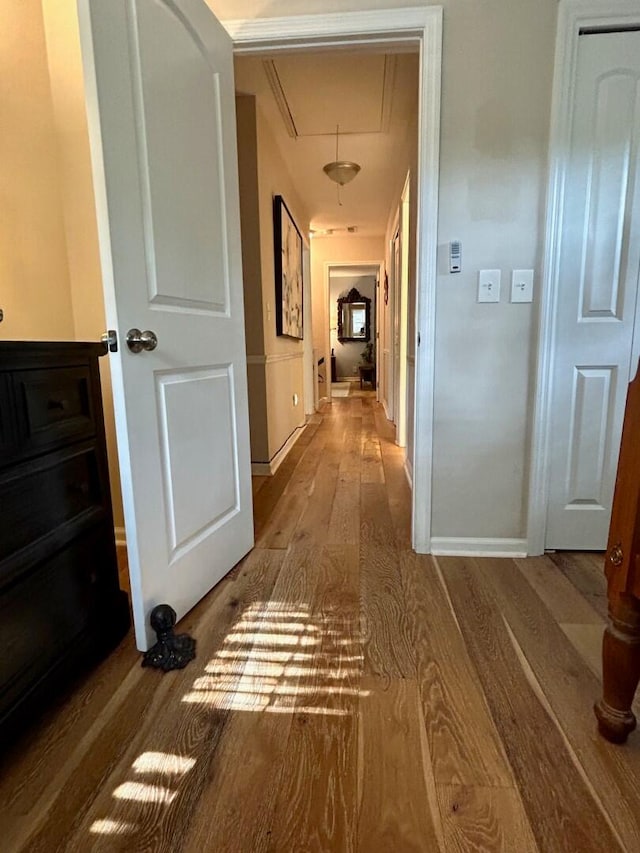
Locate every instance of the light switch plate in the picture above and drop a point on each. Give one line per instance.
(522, 286)
(489, 286)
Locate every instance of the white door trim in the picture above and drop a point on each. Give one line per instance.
(309, 374)
(573, 15)
(403, 318)
(390, 387)
(422, 25)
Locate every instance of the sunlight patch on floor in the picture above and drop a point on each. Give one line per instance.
(143, 793)
(162, 762)
(277, 659)
(106, 826)
(282, 659)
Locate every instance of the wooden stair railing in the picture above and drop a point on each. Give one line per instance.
(621, 643)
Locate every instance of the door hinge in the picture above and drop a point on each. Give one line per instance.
(418, 338)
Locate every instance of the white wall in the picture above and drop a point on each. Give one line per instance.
(495, 119)
(497, 73)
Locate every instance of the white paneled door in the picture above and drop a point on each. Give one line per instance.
(160, 100)
(598, 288)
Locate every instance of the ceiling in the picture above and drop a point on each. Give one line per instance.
(372, 97)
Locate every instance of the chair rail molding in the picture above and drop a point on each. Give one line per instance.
(275, 357)
(389, 26)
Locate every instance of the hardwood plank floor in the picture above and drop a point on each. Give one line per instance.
(348, 694)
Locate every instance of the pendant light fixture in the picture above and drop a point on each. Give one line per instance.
(340, 171)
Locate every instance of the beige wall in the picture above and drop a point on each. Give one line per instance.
(35, 292)
(246, 123)
(275, 371)
(285, 383)
(496, 95)
(78, 206)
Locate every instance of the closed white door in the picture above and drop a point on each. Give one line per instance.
(598, 286)
(160, 100)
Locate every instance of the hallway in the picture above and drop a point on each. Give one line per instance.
(347, 694)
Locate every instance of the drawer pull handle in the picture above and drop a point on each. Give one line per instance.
(56, 404)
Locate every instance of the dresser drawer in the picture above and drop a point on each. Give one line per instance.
(7, 424)
(57, 601)
(54, 406)
(60, 603)
(42, 497)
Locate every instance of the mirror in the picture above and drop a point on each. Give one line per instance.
(354, 317)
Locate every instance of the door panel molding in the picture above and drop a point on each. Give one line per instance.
(590, 420)
(573, 16)
(186, 400)
(395, 27)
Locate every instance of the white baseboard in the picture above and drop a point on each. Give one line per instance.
(408, 470)
(442, 546)
(267, 469)
(121, 536)
(322, 400)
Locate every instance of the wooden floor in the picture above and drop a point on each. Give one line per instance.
(347, 694)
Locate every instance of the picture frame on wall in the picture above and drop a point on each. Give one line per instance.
(287, 241)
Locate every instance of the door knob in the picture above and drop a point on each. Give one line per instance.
(138, 341)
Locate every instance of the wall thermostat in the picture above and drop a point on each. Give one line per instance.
(455, 256)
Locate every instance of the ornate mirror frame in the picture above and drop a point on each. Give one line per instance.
(350, 298)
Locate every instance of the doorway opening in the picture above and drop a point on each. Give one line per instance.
(353, 327)
(419, 27)
(362, 250)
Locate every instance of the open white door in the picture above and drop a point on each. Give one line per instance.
(160, 101)
(598, 289)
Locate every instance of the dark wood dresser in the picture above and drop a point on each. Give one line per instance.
(61, 607)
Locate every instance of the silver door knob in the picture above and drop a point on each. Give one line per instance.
(138, 341)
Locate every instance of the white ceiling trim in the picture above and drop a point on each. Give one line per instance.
(390, 65)
(280, 96)
(254, 35)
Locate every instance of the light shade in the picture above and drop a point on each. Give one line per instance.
(341, 171)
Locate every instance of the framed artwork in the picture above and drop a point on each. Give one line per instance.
(288, 265)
